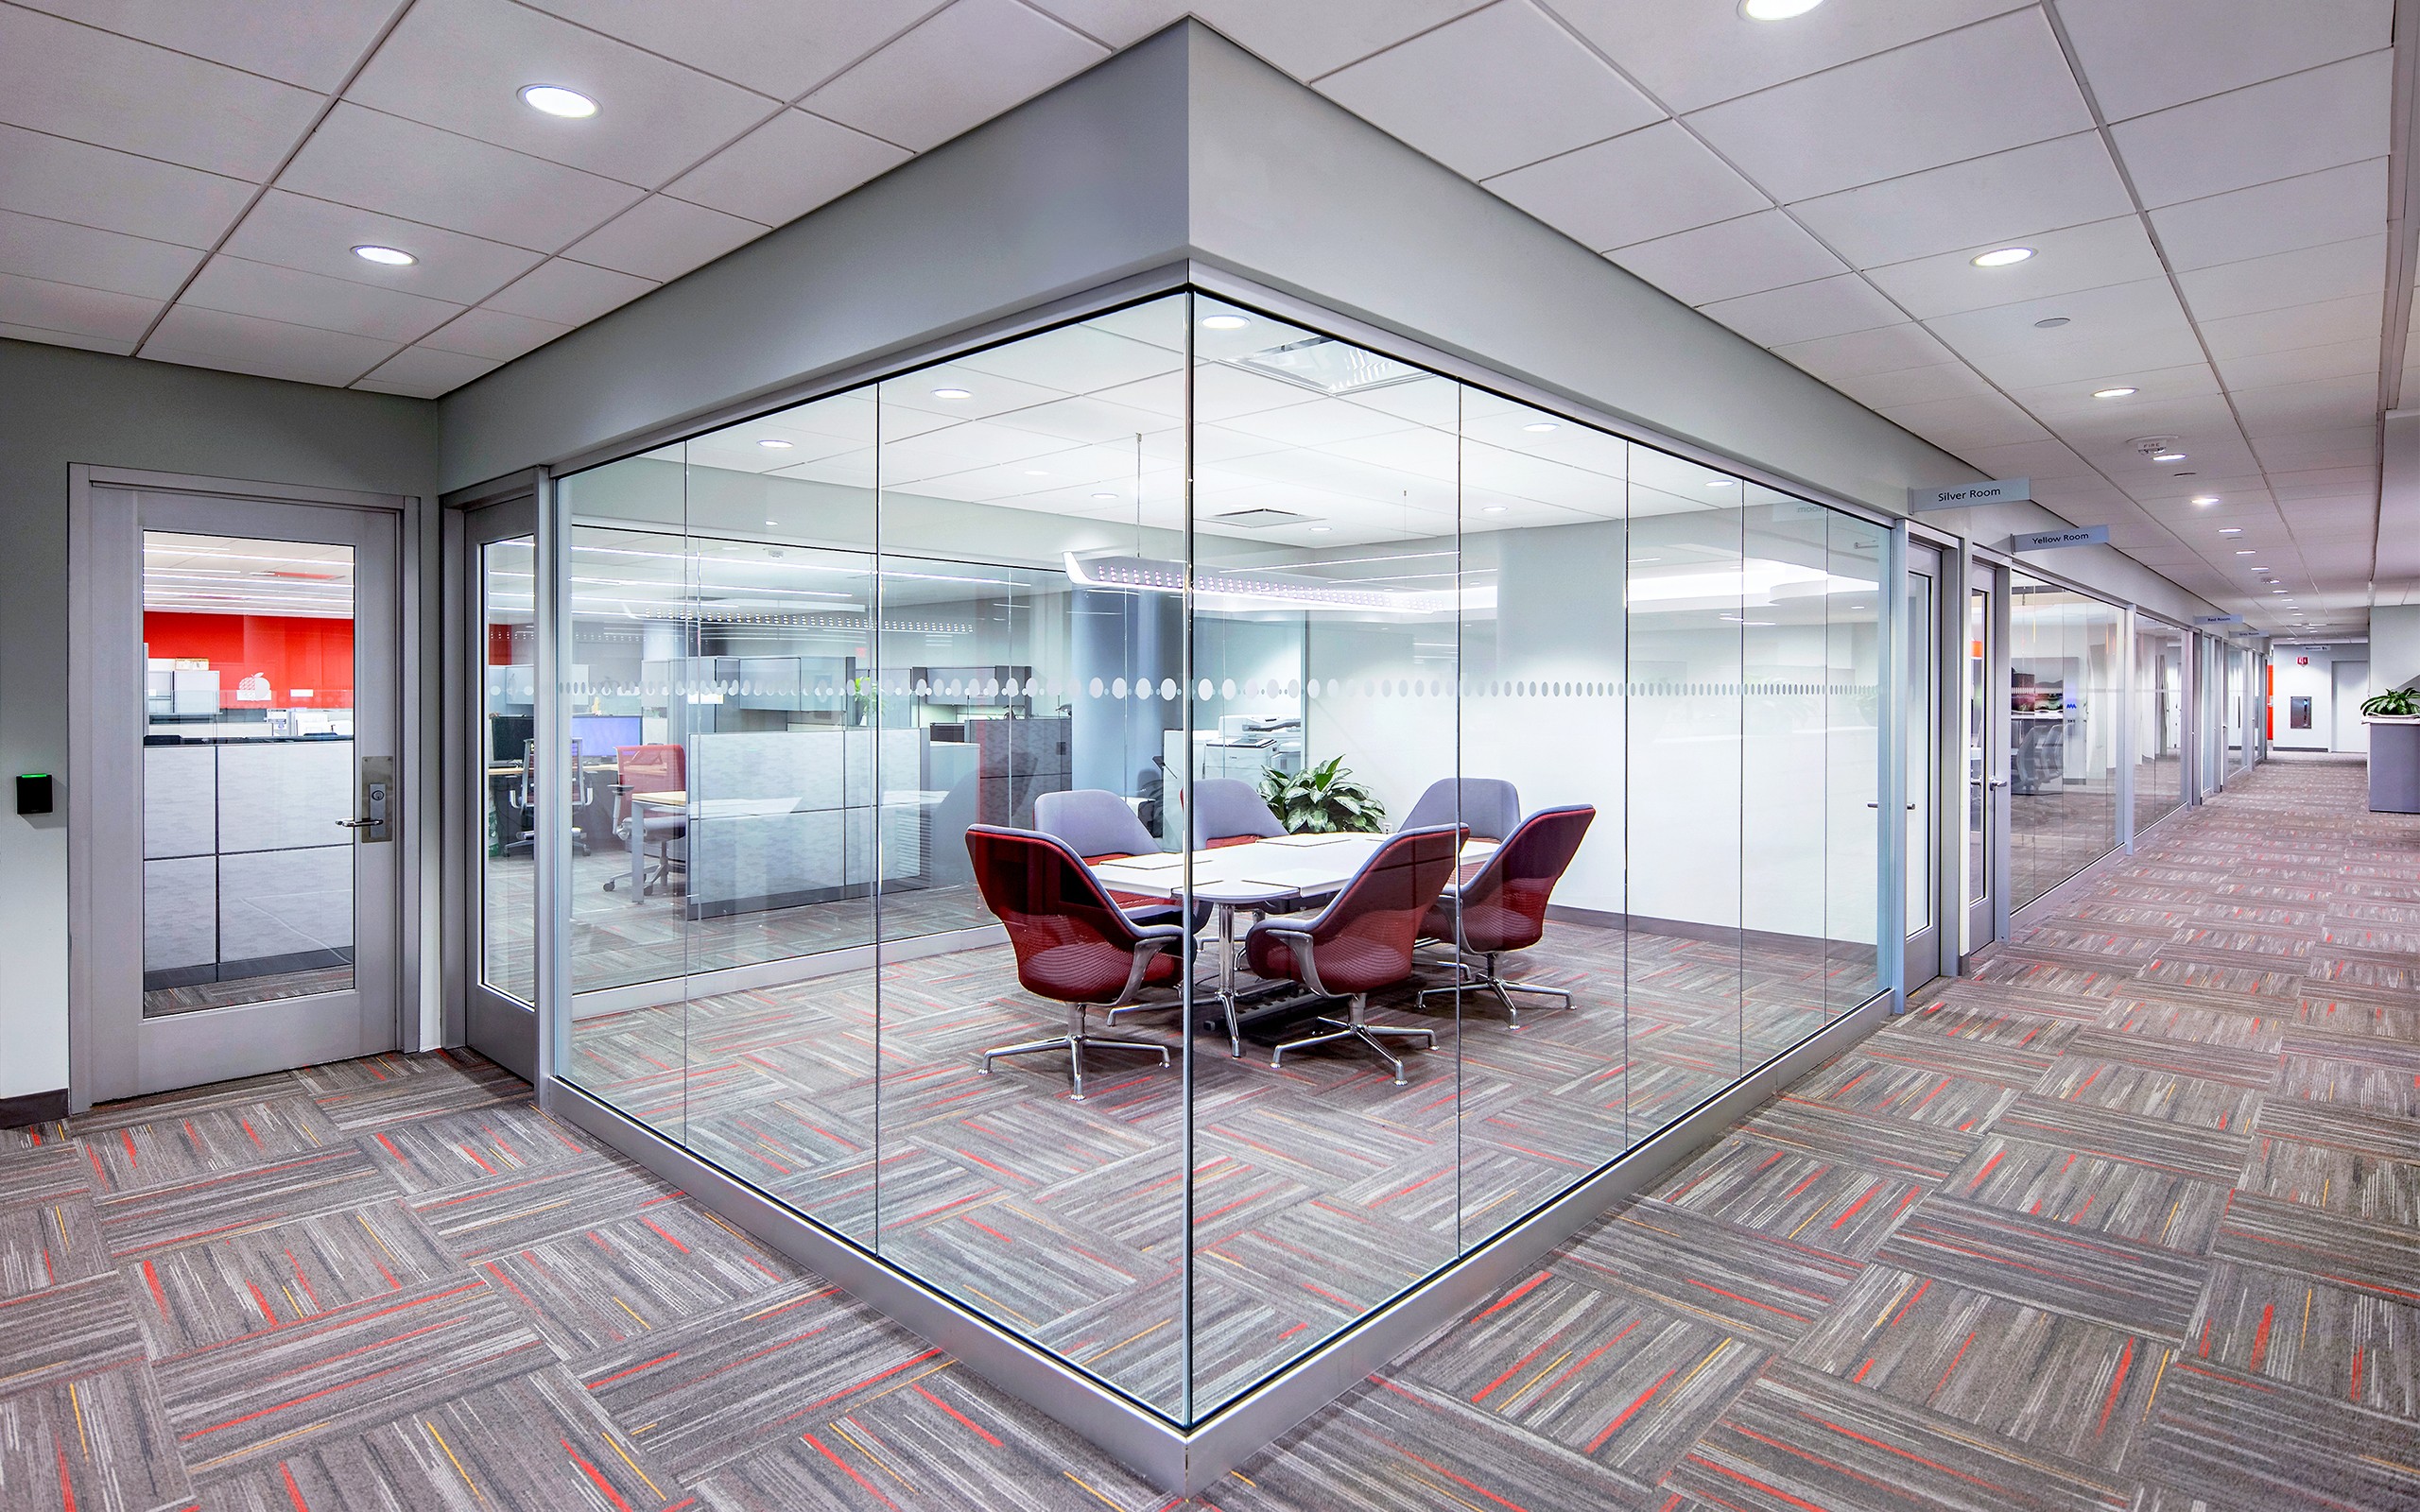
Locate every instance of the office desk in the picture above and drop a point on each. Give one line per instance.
(1253, 876)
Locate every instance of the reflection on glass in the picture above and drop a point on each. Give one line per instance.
(949, 758)
(2064, 652)
(1923, 713)
(248, 770)
(1978, 724)
(507, 722)
(2159, 722)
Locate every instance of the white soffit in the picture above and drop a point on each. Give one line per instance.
(2205, 185)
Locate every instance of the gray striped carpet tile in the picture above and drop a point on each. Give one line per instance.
(2387, 1052)
(343, 1371)
(2121, 1198)
(446, 1150)
(705, 1392)
(618, 1281)
(377, 1090)
(133, 1111)
(2240, 1440)
(1761, 1286)
(1831, 1206)
(2209, 1154)
(527, 1207)
(2340, 1159)
(2051, 1267)
(2337, 1342)
(1618, 1379)
(2348, 1018)
(934, 1438)
(2139, 1091)
(529, 1441)
(1799, 1439)
(45, 1173)
(261, 1197)
(2152, 1051)
(1987, 1023)
(72, 1329)
(98, 1439)
(2017, 1065)
(2200, 1024)
(251, 1283)
(1868, 1086)
(1922, 1155)
(174, 1150)
(2048, 1381)
(2380, 1259)
(43, 1244)
(2352, 1082)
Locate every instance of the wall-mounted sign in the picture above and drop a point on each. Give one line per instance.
(2218, 619)
(2050, 540)
(1968, 495)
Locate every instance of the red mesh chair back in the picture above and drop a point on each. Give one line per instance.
(1363, 939)
(647, 769)
(1504, 907)
(1072, 943)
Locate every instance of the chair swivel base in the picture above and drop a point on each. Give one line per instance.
(1475, 978)
(1356, 1026)
(1075, 1041)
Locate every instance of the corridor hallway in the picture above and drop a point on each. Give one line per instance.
(2130, 1219)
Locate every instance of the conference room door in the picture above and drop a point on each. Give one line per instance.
(1983, 858)
(1928, 649)
(493, 734)
(235, 783)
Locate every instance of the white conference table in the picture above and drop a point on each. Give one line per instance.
(677, 800)
(1253, 876)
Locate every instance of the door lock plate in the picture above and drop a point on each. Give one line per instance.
(376, 823)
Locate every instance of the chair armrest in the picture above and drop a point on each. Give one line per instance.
(1145, 949)
(1306, 956)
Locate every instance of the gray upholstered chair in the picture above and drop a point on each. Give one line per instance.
(1097, 825)
(1227, 810)
(1490, 809)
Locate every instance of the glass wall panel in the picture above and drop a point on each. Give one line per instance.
(1923, 716)
(2159, 721)
(2063, 668)
(508, 726)
(1784, 805)
(1851, 714)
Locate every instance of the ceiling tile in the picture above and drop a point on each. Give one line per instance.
(295, 231)
(115, 345)
(95, 259)
(1887, 349)
(1985, 202)
(2295, 326)
(1749, 255)
(493, 335)
(957, 70)
(2310, 210)
(272, 348)
(2083, 422)
(113, 92)
(310, 43)
(1305, 40)
(2065, 406)
(2334, 271)
(661, 238)
(459, 64)
(2141, 320)
(1902, 111)
(1650, 184)
(2320, 119)
(1497, 89)
(1123, 23)
(1970, 421)
(2347, 446)
(568, 293)
(782, 48)
(70, 308)
(2142, 55)
(1695, 54)
(2331, 359)
(2029, 460)
(399, 167)
(422, 372)
(1913, 385)
(787, 167)
(52, 177)
(239, 287)
(1807, 312)
(2079, 257)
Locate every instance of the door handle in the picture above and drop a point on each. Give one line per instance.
(359, 824)
(1997, 781)
(1911, 807)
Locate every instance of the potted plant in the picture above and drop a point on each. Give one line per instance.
(1323, 799)
(2395, 704)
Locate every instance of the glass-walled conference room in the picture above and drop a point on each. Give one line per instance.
(1174, 920)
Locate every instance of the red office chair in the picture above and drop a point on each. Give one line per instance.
(649, 769)
(1363, 939)
(1073, 945)
(1504, 906)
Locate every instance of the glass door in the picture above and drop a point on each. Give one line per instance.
(1984, 856)
(1924, 729)
(496, 802)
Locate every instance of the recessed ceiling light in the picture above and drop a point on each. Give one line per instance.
(953, 393)
(1104, 495)
(1225, 322)
(2243, 551)
(2052, 323)
(2276, 589)
(554, 100)
(1721, 483)
(2167, 457)
(1320, 530)
(1491, 509)
(2002, 257)
(1539, 425)
(2111, 393)
(385, 256)
(1775, 9)
(2230, 530)
(771, 445)
(2206, 498)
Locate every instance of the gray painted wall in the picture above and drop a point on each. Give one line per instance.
(61, 407)
(2395, 645)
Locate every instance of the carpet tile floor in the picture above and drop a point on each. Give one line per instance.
(2127, 1221)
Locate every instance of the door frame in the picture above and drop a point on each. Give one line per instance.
(91, 772)
(1932, 951)
(1983, 923)
(489, 1021)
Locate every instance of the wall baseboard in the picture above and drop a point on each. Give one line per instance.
(33, 1107)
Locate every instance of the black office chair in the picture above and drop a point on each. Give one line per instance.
(524, 794)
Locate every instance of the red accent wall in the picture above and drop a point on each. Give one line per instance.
(293, 653)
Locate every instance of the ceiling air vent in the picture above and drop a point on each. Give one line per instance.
(1329, 367)
(1262, 518)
